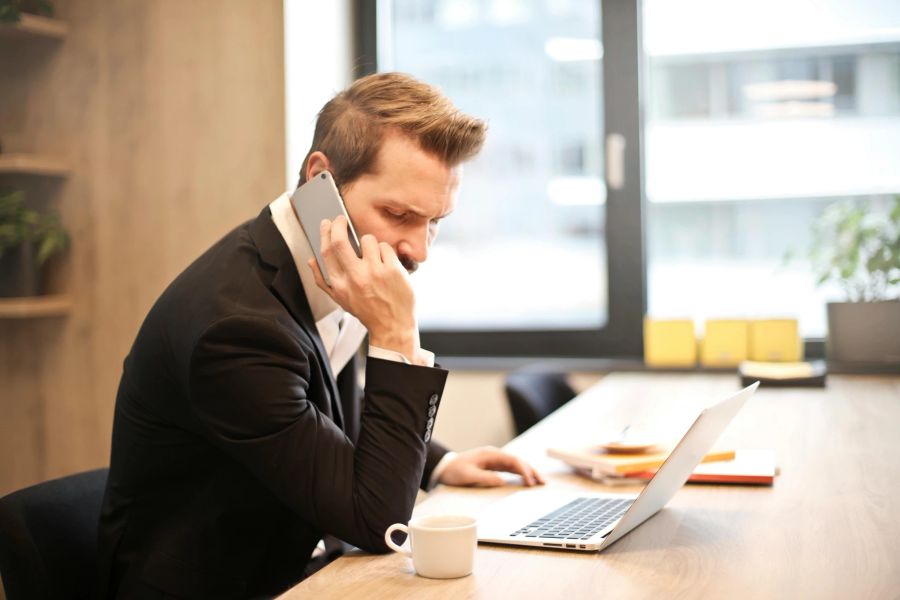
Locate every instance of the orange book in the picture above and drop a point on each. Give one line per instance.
(755, 467)
(602, 463)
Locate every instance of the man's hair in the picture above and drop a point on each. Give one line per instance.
(351, 126)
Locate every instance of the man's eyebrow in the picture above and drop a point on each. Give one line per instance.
(407, 208)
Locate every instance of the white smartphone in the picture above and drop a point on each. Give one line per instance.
(315, 200)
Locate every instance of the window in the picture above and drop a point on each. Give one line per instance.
(532, 201)
(525, 252)
(757, 116)
(811, 119)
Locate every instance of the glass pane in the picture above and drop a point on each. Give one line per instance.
(525, 247)
(760, 116)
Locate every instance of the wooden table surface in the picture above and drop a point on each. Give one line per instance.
(828, 528)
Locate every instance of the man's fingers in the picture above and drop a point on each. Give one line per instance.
(481, 467)
(320, 281)
(535, 476)
(501, 461)
(388, 256)
(370, 250)
(378, 294)
(340, 242)
(325, 232)
(486, 478)
(331, 263)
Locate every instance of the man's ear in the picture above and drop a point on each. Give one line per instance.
(317, 163)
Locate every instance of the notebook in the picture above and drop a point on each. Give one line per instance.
(748, 467)
(601, 463)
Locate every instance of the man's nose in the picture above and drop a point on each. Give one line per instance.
(416, 246)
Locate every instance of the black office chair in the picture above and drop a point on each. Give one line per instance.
(48, 537)
(534, 394)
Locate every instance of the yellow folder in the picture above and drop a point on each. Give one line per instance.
(725, 343)
(669, 343)
(775, 340)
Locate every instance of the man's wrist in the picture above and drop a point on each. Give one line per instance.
(423, 358)
(440, 468)
(405, 344)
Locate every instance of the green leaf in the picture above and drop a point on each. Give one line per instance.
(10, 13)
(20, 224)
(45, 250)
(895, 212)
(44, 7)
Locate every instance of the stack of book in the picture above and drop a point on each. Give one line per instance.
(754, 467)
(789, 374)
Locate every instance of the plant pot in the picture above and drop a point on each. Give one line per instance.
(864, 332)
(19, 272)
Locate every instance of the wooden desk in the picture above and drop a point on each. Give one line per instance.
(829, 528)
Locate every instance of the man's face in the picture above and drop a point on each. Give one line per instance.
(403, 200)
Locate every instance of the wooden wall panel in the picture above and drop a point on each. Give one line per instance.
(172, 114)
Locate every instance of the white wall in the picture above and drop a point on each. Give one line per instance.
(318, 44)
(474, 410)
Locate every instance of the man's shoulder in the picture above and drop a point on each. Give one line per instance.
(229, 283)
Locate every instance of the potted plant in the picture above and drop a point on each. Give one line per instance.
(857, 247)
(27, 240)
(11, 10)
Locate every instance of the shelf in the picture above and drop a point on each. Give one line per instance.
(33, 26)
(35, 307)
(32, 164)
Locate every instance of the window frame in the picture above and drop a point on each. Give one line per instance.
(622, 335)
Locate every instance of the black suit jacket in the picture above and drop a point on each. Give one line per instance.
(235, 448)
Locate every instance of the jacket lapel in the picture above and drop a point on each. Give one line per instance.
(286, 284)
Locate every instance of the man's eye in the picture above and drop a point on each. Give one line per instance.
(395, 215)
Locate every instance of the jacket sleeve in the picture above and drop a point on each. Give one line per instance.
(433, 456)
(252, 392)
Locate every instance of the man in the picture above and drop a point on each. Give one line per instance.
(239, 439)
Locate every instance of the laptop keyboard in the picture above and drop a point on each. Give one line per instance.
(577, 520)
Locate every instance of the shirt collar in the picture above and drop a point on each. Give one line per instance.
(289, 227)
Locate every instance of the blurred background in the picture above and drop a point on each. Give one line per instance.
(644, 158)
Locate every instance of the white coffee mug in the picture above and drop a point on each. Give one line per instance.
(443, 546)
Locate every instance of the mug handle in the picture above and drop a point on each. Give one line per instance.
(390, 543)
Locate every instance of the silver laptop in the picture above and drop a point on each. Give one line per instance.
(590, 522)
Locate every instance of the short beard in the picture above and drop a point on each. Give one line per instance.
(409, 264)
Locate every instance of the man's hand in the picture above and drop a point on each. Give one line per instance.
(479, 467)
(375, 288)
